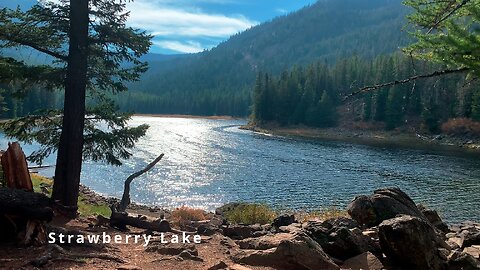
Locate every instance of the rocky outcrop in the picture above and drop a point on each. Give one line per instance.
(338, 237)
(411, 242)
(297, 251)
(382, 205)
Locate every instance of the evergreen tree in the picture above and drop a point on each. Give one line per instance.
(89, 45)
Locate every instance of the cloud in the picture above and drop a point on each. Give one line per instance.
(182, 47)
(178, 20)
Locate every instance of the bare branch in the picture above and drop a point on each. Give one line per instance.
(411, 79)
(126, 192)
(455, 9)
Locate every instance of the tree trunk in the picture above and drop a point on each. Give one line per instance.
(69, 156)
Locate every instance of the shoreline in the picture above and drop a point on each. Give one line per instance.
(377, 138)
(189, 116)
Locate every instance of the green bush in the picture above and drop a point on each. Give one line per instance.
(248, 213)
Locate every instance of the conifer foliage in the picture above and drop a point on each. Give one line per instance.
(93, 54)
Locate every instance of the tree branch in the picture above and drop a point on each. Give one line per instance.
(126, 192)
(455, 9)
(36, 47)
(414, 78)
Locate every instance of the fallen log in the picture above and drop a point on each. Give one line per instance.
(23, 211)
(29, 205)
(120, 220)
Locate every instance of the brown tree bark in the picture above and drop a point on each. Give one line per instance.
(69, 156)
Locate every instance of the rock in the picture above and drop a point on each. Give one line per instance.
(283, 220)
(365, 261)
(187, 255)
(433, 217)
(470, 237)
(338, 242)
(219, 266)
(239, 232)
(298, 252)
(264, 242)
(207, 229)
(462, 261)
(292, 228)
(172, 248)
(382, 205)
(340, 222)
(411, 242)
(227, 242)
(129, 267)
(473, 250)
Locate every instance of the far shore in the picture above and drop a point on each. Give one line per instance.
(379, 138)
(213, 117)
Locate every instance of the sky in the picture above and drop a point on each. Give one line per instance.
(190, 26)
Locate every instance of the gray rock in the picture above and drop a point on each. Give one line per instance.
(239, 232)
(338, 242)
(433, 217)
(382, 205)
(283, 220)
(297, 252)
(462, 261)
(365, 261)
(411, 243)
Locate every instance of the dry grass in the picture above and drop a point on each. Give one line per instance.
(183, 216)
(461, 127)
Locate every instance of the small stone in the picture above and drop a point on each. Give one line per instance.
(219, 266)
(128, 267)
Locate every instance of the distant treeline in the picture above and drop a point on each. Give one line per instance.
(314, 95)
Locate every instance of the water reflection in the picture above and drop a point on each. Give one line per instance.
(209, 162)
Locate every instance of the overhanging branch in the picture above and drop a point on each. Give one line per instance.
(414, 78)
(36, 47)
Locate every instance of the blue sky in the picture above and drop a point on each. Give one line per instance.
(189, 26)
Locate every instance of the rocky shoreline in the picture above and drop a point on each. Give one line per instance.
(385, 230)
(374, 137)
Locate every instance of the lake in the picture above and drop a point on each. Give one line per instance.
(210, 162)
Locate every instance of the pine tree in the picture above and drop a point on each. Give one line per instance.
(89, 45)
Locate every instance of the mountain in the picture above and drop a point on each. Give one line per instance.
(219, 81)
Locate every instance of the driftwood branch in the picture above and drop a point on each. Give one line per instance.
(122, 206)
(404, 81)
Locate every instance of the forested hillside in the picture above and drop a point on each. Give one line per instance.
(314, 95)
(219, 81)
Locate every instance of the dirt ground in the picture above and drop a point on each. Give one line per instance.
(212, 250)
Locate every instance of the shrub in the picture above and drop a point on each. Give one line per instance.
(249, 213)
(183, 216)
(462, 127)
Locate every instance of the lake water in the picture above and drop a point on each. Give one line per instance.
(210, 162)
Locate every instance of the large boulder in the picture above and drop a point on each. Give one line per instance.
(382, 205)
(297, 251)
(412, 243)
(338, 237)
